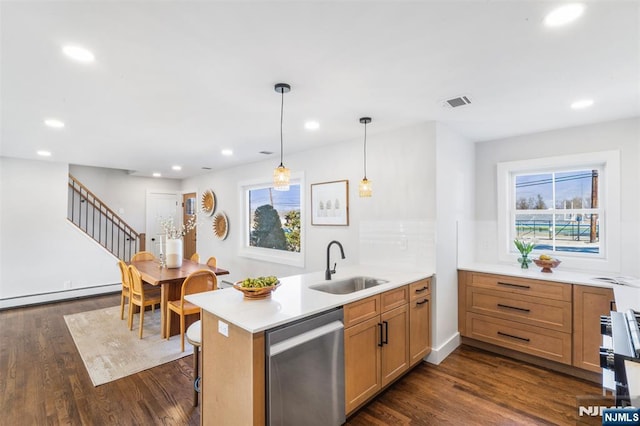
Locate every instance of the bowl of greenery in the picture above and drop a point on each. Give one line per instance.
(257, 288)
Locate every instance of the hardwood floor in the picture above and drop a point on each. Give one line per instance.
(43, 381)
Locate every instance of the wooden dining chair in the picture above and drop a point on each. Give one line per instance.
(140, 297)
(195, 257)
(125, 277)
(212, 261)
(197, 282)
(142, 255)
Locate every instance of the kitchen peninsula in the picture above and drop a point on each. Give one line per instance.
(233, 340)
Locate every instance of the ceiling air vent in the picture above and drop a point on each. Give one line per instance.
(456, 102)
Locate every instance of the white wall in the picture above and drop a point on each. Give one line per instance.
(622, 135)
(39, 249)
(400, 164)
(455, 201)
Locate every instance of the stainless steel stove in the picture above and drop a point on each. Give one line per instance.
(621, 341)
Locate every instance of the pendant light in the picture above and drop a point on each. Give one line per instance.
(365, 184)
(281, 174)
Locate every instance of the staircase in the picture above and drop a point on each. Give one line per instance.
(99, 222)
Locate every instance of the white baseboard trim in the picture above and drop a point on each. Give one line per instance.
(439, 354)
(36, 299)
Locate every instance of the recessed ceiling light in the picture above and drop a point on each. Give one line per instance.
(52, 122)
(226, 152)
(44, 153)
(582, 103)
(564, 15)
(312, 125)
(78, 53)
(156, 174)
(176, 168)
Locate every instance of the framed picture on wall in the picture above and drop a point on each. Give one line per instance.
(330, 203)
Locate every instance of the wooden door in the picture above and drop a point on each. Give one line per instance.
(395, 351)
(361, 362)
(419, 329)
(588, 304)
(189, 203)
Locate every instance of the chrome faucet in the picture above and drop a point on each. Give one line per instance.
(328, 272)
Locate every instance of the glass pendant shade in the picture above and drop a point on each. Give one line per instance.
(281, 176)
(364, 189)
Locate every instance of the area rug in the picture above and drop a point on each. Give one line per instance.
(110, 351)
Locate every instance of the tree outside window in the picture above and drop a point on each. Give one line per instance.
(275, 218)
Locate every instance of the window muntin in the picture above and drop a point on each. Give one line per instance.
(559, 210)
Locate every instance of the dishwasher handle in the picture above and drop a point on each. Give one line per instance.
(303, 338)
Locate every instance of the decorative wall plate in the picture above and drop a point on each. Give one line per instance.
(220, 225)
(208, 202)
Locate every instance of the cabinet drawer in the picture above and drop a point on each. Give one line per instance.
(419, 288)
(547, 313)
(538, 288)
(545, 343)
(362, 310)
(394, 298)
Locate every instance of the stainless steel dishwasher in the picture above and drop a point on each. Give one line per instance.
(305, 372)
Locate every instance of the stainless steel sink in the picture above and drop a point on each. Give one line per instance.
(347, 286)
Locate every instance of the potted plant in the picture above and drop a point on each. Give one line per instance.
(524, 247)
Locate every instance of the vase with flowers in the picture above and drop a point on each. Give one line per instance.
(173, 236)
(524, 247)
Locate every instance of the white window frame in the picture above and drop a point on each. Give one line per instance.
(266, 254)
(608, 162)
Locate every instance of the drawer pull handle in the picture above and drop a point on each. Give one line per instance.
(500, 305)
(420, 290)
(513, 285)
(422, 302)
(513, 337)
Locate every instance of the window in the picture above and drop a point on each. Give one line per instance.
(568, 205)
(559, 210)
(273, 228)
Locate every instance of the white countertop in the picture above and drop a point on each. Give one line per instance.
(294, 299)
(533, 272)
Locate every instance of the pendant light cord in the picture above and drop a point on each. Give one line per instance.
(365, 150)
(281, 113)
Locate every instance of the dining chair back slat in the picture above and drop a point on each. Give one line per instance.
(142, 255)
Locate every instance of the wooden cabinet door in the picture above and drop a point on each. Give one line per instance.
(361, 362)
(419, 329)
(395, 350)
(588, 304)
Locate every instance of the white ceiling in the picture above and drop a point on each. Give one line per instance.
(176, 82)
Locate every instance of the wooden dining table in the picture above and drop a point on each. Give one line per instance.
(170, 281)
